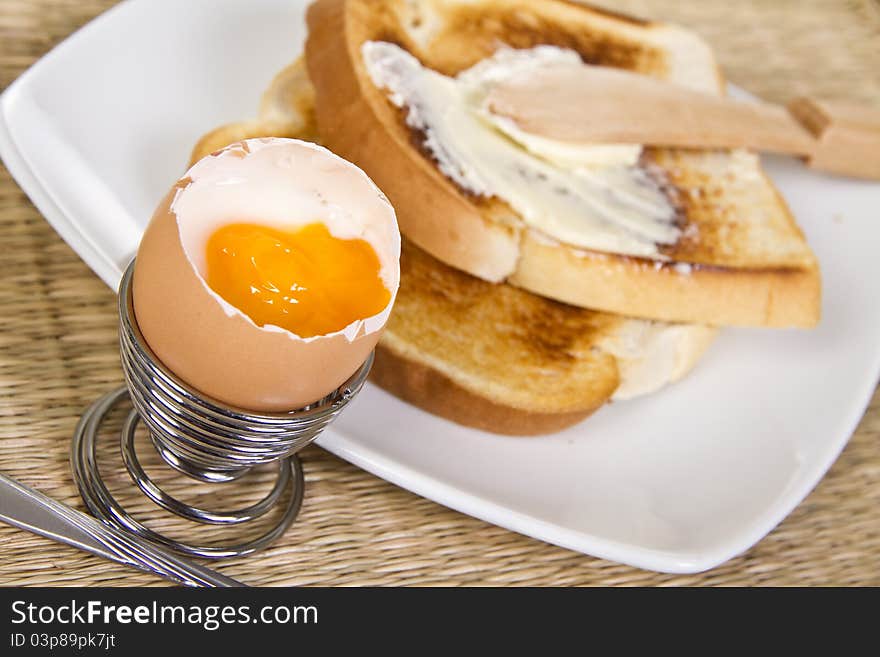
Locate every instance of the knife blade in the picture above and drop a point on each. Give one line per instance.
(31, 510)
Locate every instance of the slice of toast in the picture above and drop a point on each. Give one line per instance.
(740, 260)
(498, 358)
(486, 355)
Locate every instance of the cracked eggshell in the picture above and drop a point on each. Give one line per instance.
(214, 347)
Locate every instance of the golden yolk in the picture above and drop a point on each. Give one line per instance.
(304, 280)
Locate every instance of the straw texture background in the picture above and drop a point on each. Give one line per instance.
(58, 352)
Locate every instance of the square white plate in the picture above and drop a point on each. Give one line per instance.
(681, 481)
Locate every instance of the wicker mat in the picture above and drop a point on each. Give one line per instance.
(58, 352)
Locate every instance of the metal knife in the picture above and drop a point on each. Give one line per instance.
(33, 511)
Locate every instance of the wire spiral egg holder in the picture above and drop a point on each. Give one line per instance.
(199, 437)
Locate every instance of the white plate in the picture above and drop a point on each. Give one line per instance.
(680, 481)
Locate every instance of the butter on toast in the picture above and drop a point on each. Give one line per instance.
(486, 355)
(740, 258)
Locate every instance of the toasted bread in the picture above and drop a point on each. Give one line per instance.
(501, 359)
(740, 260)
(486, 355)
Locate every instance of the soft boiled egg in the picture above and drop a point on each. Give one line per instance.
(267, 273)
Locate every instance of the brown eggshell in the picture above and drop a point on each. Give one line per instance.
(227, 357)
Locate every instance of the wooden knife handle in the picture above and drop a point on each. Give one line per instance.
(595, 104)
(846, 137)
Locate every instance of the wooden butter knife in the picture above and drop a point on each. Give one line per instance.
(597, 104)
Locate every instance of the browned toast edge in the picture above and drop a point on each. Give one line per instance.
(434, 392)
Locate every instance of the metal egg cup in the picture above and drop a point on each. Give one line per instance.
(199, 437)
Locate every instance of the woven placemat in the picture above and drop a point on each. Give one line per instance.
(58, 353)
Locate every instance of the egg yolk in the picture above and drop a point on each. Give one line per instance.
(303, 280)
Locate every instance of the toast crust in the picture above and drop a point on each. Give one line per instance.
(724, 286)
(673, 292)
(434, 392)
